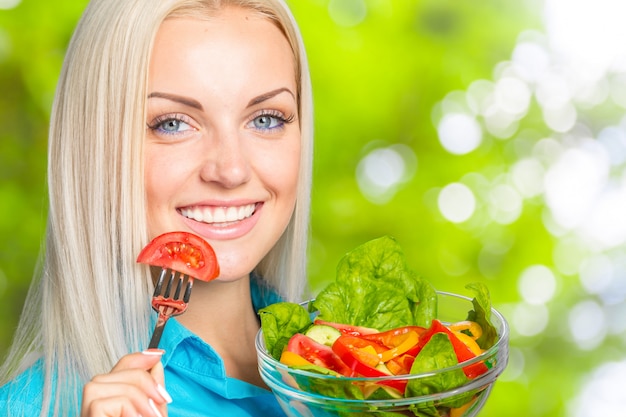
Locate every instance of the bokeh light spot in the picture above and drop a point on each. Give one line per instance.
(596, 273)
(587, 324)
(573, 183)
(602, 394)
(456, 202)
(527, 176)
(529, 320)
(459, 133)
(560, 119)
(383, 170)
(537, 284)
(505, 204)
(605, 225)
(9, 4)
(347, 13)
(553, 92)
(531, 60)
(513, 96)
(618, 90)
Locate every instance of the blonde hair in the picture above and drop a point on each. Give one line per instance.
(87, 305)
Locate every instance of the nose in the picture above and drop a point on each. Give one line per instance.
(227, 161)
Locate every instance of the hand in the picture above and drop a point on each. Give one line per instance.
(134, 387)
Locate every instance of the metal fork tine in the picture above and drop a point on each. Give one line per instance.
(159, 284)
(168, 287)
(188, 289)
(179, 286)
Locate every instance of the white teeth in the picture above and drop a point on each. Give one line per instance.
(218, 214)
(197, 215)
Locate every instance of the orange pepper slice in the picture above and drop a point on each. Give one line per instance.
(406, 342)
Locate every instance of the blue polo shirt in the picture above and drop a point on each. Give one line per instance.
(194, 375)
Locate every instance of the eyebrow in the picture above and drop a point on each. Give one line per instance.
(190, 102)
(269, 95)
(178, 99)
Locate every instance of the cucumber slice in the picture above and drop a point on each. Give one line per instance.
(321, 333)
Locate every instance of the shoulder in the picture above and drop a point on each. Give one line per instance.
(23, 395)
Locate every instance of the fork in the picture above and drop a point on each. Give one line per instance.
(170, 298)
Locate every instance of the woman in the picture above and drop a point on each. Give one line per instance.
(190, 115)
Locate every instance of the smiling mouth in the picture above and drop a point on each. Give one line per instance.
(218, 214)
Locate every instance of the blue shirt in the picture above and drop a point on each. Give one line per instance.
(195, 377)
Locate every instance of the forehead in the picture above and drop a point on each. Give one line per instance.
(232, 45)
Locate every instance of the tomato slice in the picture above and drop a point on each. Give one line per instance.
(347, 329)
(463, 353)
(317, 354)
(361, 356)
(183, 252)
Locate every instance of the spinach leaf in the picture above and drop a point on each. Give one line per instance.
(482, 314)
(438, 353)
(279, 322)
(375, 288)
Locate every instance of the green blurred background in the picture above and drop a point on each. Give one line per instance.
(488, 137)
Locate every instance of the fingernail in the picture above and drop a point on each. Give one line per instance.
(166, 396)
(153, 352)
(154, 408)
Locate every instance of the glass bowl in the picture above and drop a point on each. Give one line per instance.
(302, 393)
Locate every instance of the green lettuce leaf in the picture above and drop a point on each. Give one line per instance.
(438, 353)
(482, 314)
(375, 288)
(279, 322)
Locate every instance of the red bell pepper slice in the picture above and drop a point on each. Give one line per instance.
(391, 338)
(361, 356)
(348, 329)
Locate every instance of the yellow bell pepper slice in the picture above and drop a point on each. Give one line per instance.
(293, 359)
(471, 326)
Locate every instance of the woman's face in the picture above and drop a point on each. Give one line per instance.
(223, 142)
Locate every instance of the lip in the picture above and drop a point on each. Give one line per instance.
(224, 231)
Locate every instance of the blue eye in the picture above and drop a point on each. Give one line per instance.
(267, 122)
(173, 126)
(270, 121)
(170, 125)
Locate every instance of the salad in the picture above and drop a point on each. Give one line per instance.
(378, 319)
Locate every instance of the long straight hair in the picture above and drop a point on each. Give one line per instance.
(87, 305)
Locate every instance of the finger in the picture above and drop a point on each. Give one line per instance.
(117, 382)
(149, 360)
(132, 377)
(120, 406)
(158, 374)
(143, 360)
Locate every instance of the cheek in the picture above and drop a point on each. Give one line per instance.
(162, 179)
(163, 176)
(283, 172)
(154, 177)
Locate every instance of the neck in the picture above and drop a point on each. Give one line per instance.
(221, 314)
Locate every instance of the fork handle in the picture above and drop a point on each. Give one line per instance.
(158, 331)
